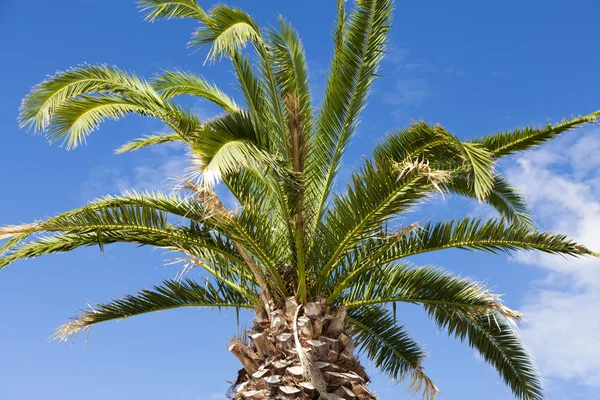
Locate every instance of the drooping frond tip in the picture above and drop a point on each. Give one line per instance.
(169, 295)
(421, 383)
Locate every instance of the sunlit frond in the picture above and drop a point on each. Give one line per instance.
(38, 107)
(147, 141)
(171, 9)
(227, 30)
(173, 83)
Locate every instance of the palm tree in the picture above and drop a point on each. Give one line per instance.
(322, 270)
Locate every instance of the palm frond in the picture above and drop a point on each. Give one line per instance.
(507, 200)
(38, 107)
(377, 194)
(441, 150)
(390, 348)
(426, 285)
(227, 30)
(230, 143)
(85, 114)
(506, 143)
(496, 341)
(354, 68)
(171, 9)
(147, 141)
(169, 295)
(171, 83)
(291, 70)
(481, 168)
(111, 220)
(474, 234)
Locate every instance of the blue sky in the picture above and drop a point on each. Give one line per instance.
(475, 67)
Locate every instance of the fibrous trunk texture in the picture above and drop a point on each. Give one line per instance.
(299, 353)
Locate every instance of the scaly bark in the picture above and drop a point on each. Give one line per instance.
(278, 367)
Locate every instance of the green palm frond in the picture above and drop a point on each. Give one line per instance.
(174, 204)
(291, 70)
(507, 200)
(441, 150)
(390, 348)
(378, 193)
(354, 68)
(72, 104)
(420, 141)
(227, 30)
(506, 143)
(85, 114)
(473, 234)
(481, 168)
(230, 143)
(171, 9)
(171, 83)
(38, 107)
(426, 285)
(147, 141)
(496, 341)
(169, 295)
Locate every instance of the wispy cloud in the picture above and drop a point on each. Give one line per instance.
(408, 92)
(563, 326)
(154, 170)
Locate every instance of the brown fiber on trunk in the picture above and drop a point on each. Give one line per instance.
(273, 368)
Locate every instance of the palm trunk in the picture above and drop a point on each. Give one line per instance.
(300, 353)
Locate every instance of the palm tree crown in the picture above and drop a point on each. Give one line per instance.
(292, 238)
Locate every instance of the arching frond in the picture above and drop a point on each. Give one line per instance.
(228, 144)
(429, 286)
(474, 234)
(174, 204)
(227, 30)
(506, 143)
(38, 107)
(85, 114)
(175, 83)
(169, 295)
(390, 348)
(170, 9)
(103, 223)
(354, 68)
(496, 341)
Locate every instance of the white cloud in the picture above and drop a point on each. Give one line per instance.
(408, 92)
(563, 328)
(154, 170)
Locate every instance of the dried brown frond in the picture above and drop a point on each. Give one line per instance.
(435, 177)
(10, 231)
(420, 382)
